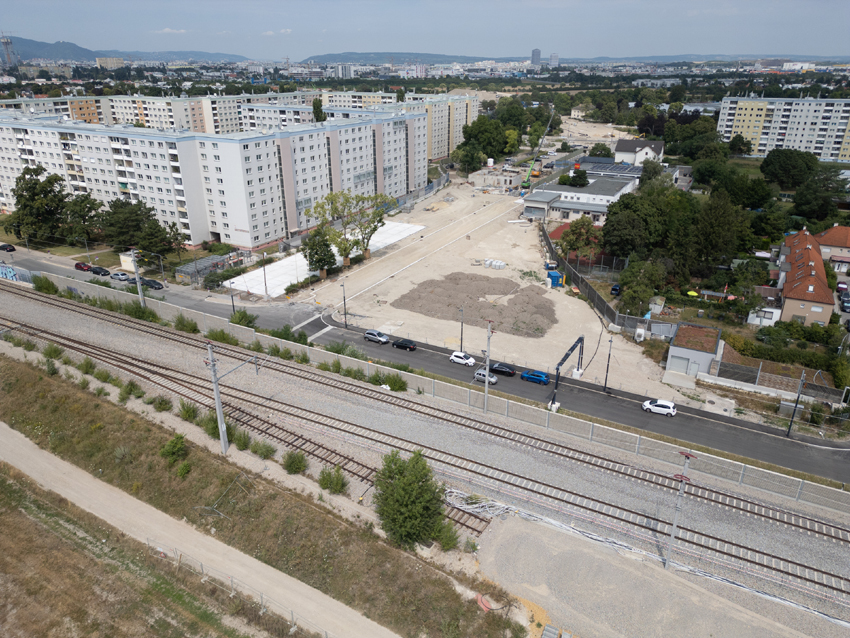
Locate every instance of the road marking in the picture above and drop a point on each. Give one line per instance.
(304, 323)
(321, 332)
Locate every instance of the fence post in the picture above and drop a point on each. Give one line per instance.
(548, 412)
(468, 397)
(591, 430)
(800, 491)
(433, 387)
(741, 478)
(507, 406)
(205, 322)
(758, 374)
(637, 451)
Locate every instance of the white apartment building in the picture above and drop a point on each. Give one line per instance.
(249, 188)
(807, 124)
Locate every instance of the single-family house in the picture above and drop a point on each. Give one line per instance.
(835, 247)
(806, 296)
(637, 151)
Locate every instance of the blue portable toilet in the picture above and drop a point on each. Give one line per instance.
(556, 278)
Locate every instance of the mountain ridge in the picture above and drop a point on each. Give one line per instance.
(29, 49)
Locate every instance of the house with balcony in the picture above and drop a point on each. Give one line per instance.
(806, 296)
(636, 152)
(835, 247)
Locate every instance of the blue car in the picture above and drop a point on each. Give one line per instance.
(535, 376)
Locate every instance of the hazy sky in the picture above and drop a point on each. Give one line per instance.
(275, 29)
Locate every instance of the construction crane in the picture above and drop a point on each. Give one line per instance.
(527, 182)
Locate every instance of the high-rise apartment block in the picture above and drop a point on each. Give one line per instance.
(535, 56)
(818, 126)
(109, 63)
(553, 60)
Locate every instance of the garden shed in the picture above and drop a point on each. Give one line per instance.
(692, 349)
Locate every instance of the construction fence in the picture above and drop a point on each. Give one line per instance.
(415, 196)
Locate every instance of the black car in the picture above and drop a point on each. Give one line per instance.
(407, 344)
(549, 165)
(9, 248)
(99, 270)
(153, 284)
(615, 290)
(502, 368)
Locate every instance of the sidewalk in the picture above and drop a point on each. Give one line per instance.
(141, 521)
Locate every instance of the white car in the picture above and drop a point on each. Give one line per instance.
(481, 375)
(119, 276)
(658, 406)
(462, 358)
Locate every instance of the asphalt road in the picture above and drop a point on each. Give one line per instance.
(827, 459)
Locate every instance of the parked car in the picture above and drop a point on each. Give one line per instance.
(502, 368)
(667, 408)
(535, 376)
(549, 165)
(842, 286)
(153, 284)
(407, 344)
(100, 271)
(119, 276)
(845, 296)
(461, 358)
(615, 290)
(82, 266)
(847, 325)
(482, 376)
(377, 336)
(9, 248)
(845, 305)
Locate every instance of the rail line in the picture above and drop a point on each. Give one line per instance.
(717, 497)
(197, 389)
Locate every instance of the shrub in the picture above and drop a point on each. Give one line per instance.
(186, 325)
(99, 282)
(215, 278)
(470, 546)
(209, 423)
(376, 378)
(286, 354)
(446, 535)
(175, 450)
(333, 480)
(256, 346)
(161, 404)
(116, 381)
(131, 388)
(346, 350)
(802, 345)
(86, 366)
(219, 249)
(84, 383)
(50, 367)
(43, 284)
(188, 411)
(396, 383)
(286, 333)
(274, 350)
(29, 346)
(336, 366)
(264, 262)
(243, 318)
(184, 469)
(52, 351)
(136, 310)
(102, 375)
(354, 373)
(325, 367)
(816, 414)
(302, 357)
(67, 361)
(263, 449)
(100, 391)
(242, 440)
(295, 463)
(222, 336)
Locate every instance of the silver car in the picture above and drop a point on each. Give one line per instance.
(377, 336)
(119, 276)
(481, 375)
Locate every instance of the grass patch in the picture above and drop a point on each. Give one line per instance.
(50, 367)
(161, 404)
(28, 345)
(131, 388)
(222, 336)
(302, 357)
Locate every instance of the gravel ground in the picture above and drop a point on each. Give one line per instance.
(569, 475)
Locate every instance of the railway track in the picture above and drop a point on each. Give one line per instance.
(197, 389)
(717, 497)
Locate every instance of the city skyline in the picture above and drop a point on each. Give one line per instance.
(266, 30)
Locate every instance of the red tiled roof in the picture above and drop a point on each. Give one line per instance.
(835, 236)
(806, 278)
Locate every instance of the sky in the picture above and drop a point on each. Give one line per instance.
(277, 29)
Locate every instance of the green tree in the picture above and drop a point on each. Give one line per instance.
(535, 133)
(640, 281)
(408, 500)
(579, 179)
(721, 228)
(487, 134)
(511, 141)
(318, 113)
(368, 217)
(565, 180)
(739, 145)
(471, 158)
(582, 237)
(564, 148)
(123, 223)
(600, 149)
(80, 218)
(511, 113)
(176, 240)
(40, 204)
(399, 95)
(651, 170)
(788, 167)
(317, 250)
(748, 275)
(339, 206)
(816, 197)
(678, 93)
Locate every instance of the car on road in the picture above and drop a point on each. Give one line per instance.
(9, 248)
(153, 284)
(502, 368)
(481, 375)
(462, 358)
(842, 286)
(120, 276)
(667, 408)
(615, 290)
(407, 344)
(535, 376)
(100, 271)
(549, 165)
(82, 266)
(377, 336)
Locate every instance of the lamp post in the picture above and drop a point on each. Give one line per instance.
(161, 269)
(607, 367)
(682, 478)
(461, 328)
(344, 307)
(796, 403)
(265, 283)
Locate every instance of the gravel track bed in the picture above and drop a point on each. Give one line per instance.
(636, 495)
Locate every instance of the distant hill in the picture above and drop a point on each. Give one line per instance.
(29, 49)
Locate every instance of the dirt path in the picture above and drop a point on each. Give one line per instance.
(141, 521)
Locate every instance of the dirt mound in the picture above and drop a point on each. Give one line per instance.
(515, 309)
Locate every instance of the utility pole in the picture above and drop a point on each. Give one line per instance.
(607, 367)
(683, 479)
(138, 280)
(796, 403)
(344, 307)
(461, 328)
(222, 428)
(487, 364)
(265, 283)
(87, 248)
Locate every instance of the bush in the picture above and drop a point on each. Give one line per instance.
(265, 261)
(242, 440)
(52, 351)
(396, 383)
(43, 284)
(84, 383)
(802, 345)
(209, 424)
(274, 350)
(186, 325)
(325, 367)
(286, 333)
(175, 450)
(28, 345)
(161, 404)
(215, 278)
(86, 366)
(99, 392)
(295, 463)
(263, 449)
(188, 411)
(219, 249)
(346, 350)
(286, 354)
(184, 469)
(67, 361)
(116, 381)
(333, 480)
(256, 346)
(302, 357)
(354, 373)
(50, 367)
(243, 318)
(222, 336)
(136, 310)
(336, 366)
(446, 535)
(816, 414)
(131, 388)
(103, 376)
(376, 378)
(99, 282)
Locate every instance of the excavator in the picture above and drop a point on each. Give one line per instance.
(534, 170)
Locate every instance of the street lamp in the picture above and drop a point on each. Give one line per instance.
(161, 269)
(344, 307)
(607, 367)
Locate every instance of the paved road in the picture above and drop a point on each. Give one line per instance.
(805, 454)
(141, 521)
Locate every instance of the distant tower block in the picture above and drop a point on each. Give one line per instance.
(9, 57)
(535, 56)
